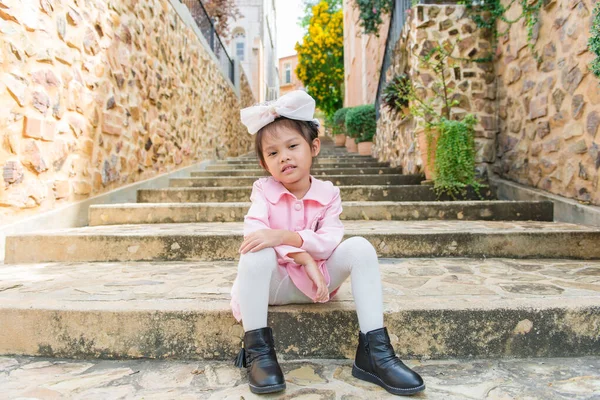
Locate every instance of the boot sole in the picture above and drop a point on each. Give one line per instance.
(367, 376)
(267, 389)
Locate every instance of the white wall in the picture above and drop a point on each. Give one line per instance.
(259, 23)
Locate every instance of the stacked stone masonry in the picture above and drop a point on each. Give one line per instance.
(549, 111)
(538, 119)
(95, 95)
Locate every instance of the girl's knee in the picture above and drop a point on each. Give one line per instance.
(262, 261)
(360, 248)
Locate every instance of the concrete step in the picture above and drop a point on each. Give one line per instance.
(315, 171)
(322, 154)
(345, 165)
(348, 193)
(452, 379)
(220, 241)
(160, 213)
(316, 161)
(434, 308)
(338, 180)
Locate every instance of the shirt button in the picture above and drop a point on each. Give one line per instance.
(298, 206)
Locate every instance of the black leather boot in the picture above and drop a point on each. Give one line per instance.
(376, 362)
(259, 358)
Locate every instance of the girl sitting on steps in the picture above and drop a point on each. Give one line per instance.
(292, 253)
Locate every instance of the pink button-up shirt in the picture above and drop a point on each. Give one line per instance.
(315, 217)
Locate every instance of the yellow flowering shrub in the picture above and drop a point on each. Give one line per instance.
(321, 58)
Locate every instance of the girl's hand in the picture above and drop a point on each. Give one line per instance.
(261, 239)
(318, 279)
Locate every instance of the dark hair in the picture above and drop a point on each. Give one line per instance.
(308, 129)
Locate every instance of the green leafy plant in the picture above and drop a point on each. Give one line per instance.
(361, 123)
(455, 157)
(339, 121)
(396, 94)
(594, 41)
(487, 13)
(370, 12)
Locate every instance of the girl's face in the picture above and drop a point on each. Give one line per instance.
(288, 156)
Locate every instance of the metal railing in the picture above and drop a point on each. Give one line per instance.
(398, 18)
(207, 27)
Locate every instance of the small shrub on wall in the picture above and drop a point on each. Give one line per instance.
(370, 12)
(396, 94)
(594, 42)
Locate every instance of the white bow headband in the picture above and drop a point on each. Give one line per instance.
(296, 105)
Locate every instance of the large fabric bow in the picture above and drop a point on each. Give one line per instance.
(296, 105)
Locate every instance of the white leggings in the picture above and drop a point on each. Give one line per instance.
(261, 282)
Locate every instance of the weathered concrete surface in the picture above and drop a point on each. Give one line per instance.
(433, 307)
(220, 241)
(348, 193)
(160, 213)
(145, 213)
(232, 171)
(338, 180)
(565, 209)
(456, 379)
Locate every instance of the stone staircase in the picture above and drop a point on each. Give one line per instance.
(462, 279)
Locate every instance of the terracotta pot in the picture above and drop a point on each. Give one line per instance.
(365, 148)
(351, 145)
(427, 157)
(340, 140)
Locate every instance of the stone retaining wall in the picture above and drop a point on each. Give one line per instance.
(549, 112)
(539, 121)
(429, 26)
(98, 94)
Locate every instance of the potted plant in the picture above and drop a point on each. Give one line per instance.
(365, 144)
(446, 141)
(351, 145)
(361, 125)
(338, 126)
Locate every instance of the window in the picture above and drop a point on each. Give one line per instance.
(239, 50)
(288, 73)
(239, 38)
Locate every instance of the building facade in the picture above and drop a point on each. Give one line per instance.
(254, 43)
(288, 80)
(363, 55)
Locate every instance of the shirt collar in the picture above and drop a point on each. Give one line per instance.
(319, 191)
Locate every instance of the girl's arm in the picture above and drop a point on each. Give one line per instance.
(313, 273)
(263, 238)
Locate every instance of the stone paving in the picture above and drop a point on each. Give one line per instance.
(413, 283)
(530, 379)
(350, 228)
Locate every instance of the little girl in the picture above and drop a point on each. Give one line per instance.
(291, 252)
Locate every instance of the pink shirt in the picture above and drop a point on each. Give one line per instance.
(315, 217)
